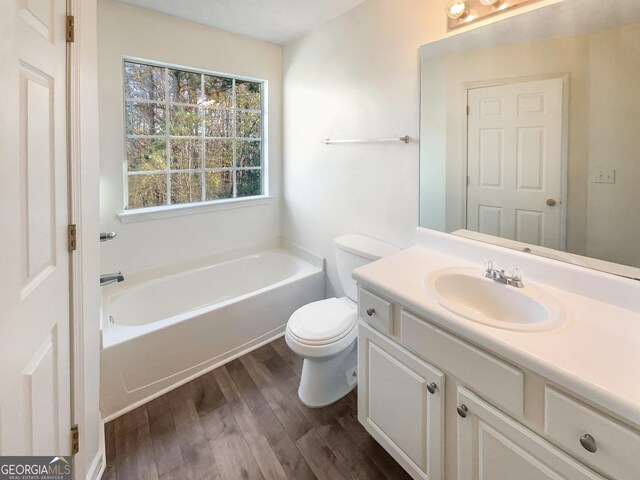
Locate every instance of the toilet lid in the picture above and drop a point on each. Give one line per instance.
(320, 322)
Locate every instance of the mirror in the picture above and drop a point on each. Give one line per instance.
(530, 134)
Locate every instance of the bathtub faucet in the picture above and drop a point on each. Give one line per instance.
(106, 236)
(107, 278)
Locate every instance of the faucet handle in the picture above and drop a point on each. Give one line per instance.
(489, 269)
(517, 274)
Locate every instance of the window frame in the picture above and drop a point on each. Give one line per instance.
(174, 209)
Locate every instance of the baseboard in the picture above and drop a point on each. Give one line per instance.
(97, 467)
(223, 359)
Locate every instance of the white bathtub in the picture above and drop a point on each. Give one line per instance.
(161, 332)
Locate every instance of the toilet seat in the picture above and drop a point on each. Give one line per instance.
(322, 323)
(322, 328)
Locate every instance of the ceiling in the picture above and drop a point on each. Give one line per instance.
(275, 21)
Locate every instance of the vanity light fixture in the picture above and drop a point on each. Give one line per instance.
(457, 9)
(463, 12)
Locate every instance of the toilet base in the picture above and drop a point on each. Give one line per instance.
(326, 380)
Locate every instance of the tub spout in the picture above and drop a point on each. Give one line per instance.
(107, 278)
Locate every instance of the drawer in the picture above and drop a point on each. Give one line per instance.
(617, 447)
(493, 379)
(376, 311)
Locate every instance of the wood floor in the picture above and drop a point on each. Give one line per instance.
(244, 421)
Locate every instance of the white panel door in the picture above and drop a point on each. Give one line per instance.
(492, 446)
(515, 161)
(34, 344)
(395, 404)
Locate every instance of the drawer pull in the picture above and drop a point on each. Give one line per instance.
(432, 387)
(463, 411)
(371, 311)
(589, 443)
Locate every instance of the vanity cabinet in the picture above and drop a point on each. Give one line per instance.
(493, 446)
(498, 420)
(401, 403)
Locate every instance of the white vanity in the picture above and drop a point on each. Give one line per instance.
(455, 388)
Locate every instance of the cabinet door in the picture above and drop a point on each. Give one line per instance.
(396, 406)
(492, 446)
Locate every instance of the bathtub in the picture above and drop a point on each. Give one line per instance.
(162, 329)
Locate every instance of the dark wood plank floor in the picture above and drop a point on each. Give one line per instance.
(244, 421)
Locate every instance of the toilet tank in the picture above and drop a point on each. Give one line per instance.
(353, 251)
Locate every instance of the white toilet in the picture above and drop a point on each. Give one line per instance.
(324, 333)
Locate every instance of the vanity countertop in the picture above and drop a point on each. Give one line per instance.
(594, 353)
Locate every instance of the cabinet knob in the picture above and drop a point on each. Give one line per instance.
(589, 443)
(432, 387)
(370, 311)
(463, 411)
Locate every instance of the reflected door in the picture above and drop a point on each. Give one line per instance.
(515, 162)
(34, 345)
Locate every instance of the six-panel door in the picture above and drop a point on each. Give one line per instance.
(35, 405)
(515, 153)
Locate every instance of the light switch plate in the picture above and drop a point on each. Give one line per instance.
(604, 175)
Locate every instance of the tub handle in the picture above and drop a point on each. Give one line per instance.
(106, 236)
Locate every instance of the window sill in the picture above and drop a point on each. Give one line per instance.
(156, 213)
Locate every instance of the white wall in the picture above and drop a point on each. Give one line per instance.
(129, 31)
(355, 77)
(613, 214)
(358, 77)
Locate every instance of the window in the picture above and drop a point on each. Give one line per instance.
(191, 137)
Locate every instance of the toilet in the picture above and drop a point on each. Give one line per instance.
(325, 333)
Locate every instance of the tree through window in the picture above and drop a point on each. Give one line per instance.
(191, 137)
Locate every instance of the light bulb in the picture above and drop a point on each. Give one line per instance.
(457, 9)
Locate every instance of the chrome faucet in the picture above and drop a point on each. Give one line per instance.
(513, 279)
(107, 278)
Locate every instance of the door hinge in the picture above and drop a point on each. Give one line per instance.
(468, 110)
(71, 230)
(75, 440)
(70, 29)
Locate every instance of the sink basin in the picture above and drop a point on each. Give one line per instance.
(465, 292)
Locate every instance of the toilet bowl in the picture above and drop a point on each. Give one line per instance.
(325, 332)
